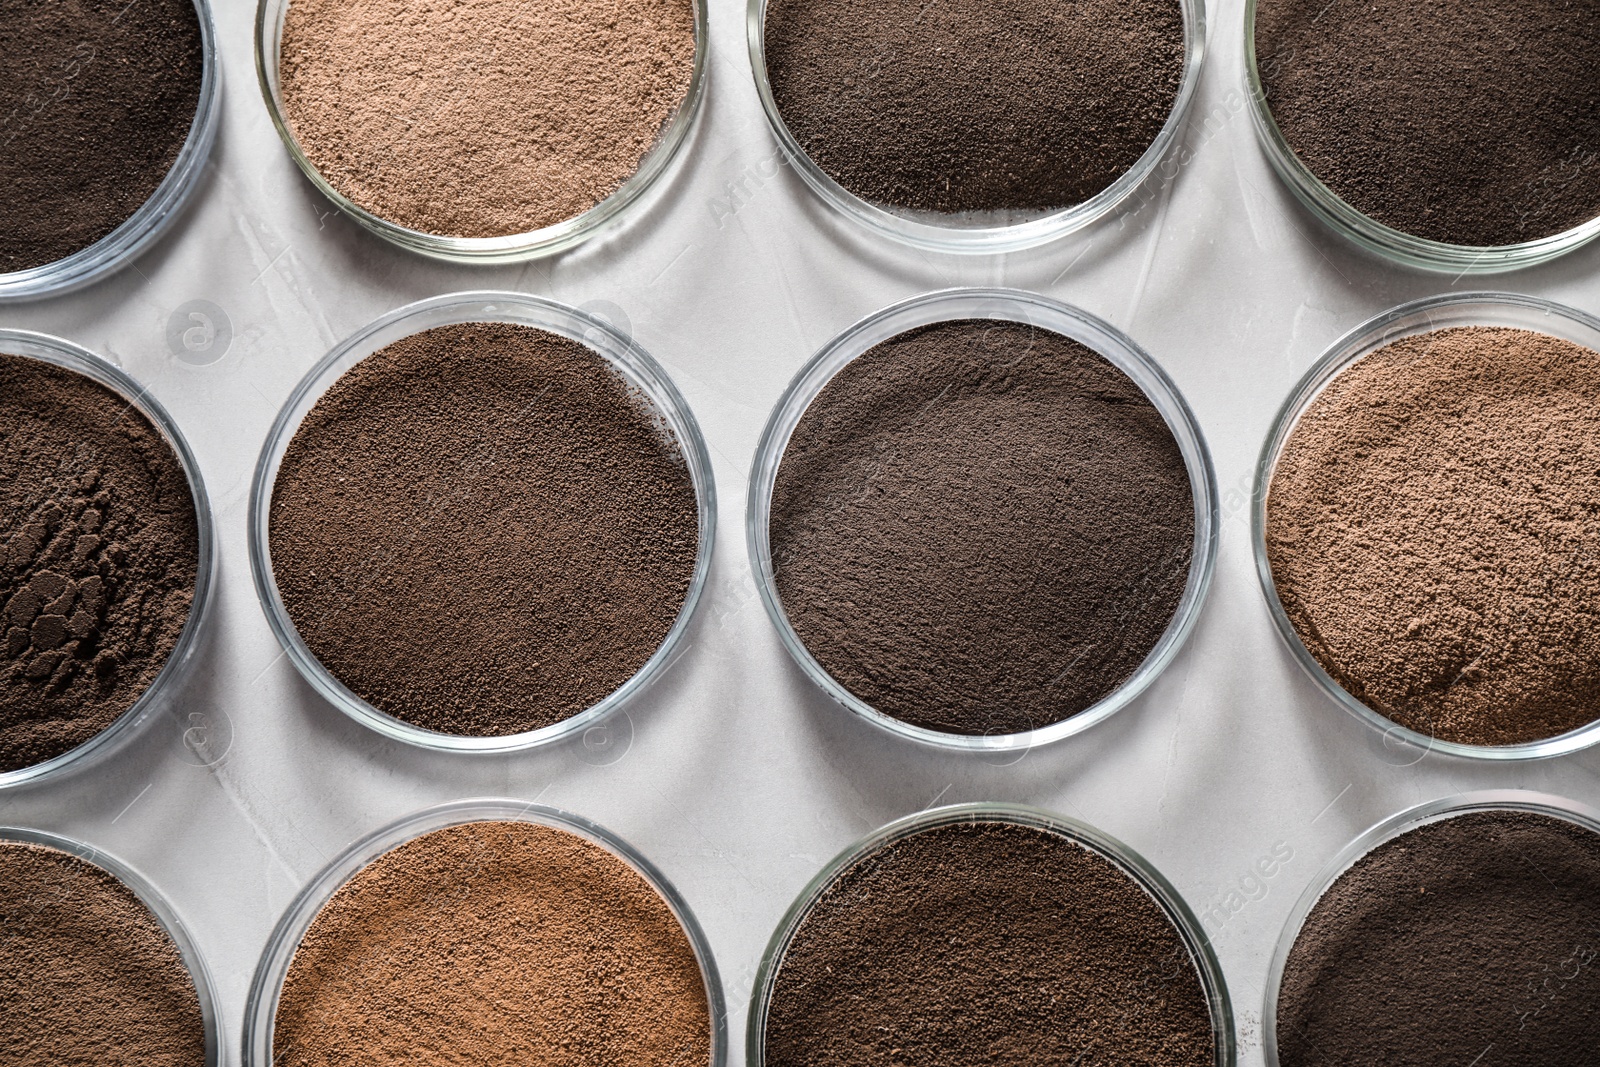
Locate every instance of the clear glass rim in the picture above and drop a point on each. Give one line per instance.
(1008, 305)
(261, 1008)
(1383, 832)
(119, 247)
(180, 661)
(625, 357)
(158, 906)
(1365, 232)
(1129, 862)
(979, 239)
(557, 237)
(1406, 320)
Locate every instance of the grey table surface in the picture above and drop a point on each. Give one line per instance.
(732, 772)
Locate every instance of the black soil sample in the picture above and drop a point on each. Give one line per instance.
(96, 101)
(987, 943)
(1469, 123)
(99, 552)
(981, 527)
(1473, 940)
(975, 105)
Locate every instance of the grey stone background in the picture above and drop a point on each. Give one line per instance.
(733, 773)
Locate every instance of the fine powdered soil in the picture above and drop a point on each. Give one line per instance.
(986, 943)
(88, 977)
(1473, 124)
(494, 942)
(482, 118)
(981, 527)
(95, 104)
(975, 105)
(1473, 940)
(99, 552)
(1432, 528)
(483, 530)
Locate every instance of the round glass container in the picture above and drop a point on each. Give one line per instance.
(1101, 844)
(1004, 305)
(117, 248)
(989, 232)
(625, 358)
(514, 247)
(1367, 232)
(157, 698)
(1420, 316)
(159, 906)
(1385, 831)
(261, 1008)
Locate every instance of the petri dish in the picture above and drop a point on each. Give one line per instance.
(1196, 946)
(119, 247)
(158, 697)
(987, 232)
(1001, 305)
(626, 201)
(261, 1008)
(1386, 242)
(624, 357)
(1397, 826)
(1510, 310)
(159, 907)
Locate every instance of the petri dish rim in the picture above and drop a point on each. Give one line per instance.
(622, 354)
(158, 906)
(1125, 859)
(125, 243)
(261, 1007)
(1005, 305)
(1427, 315)
(920, 232)
(158, 696)
(623, 203)
(1367, 233)
(1387, 830)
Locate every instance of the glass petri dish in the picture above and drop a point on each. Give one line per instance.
(261, 1008)
(514, 247)
(1417, 317)
(1383, 832)
(1126, 860)
(625, 357)
(159, 906)
(119, 247)
(1005, 305)
(1367, 232)
(989, 233)
(158, 697)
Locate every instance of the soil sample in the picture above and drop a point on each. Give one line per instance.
(483, 529)
(981, 527)
(1431, 526)
(99, 554)
(88, 976)
(1472, 124)
(482, 118)
(1471, 940)
(986, 942)
(96, 103)
(495, 942)
(975, 106)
